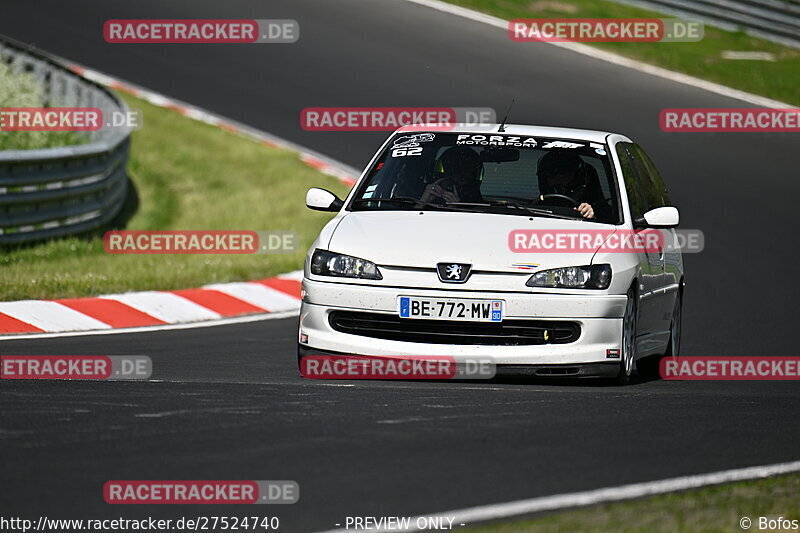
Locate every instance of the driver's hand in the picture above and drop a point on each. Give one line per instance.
(585, 210)
(435, 190)
(449, 196)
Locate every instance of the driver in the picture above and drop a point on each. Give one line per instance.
(565, 173)
(459, 172)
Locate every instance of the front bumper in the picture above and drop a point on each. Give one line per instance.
(599, 317)
(607, 369)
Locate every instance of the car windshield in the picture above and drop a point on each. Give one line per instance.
(492, 173)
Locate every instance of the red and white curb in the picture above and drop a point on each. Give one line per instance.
(344, 173)
(209, 304)
(153, 308)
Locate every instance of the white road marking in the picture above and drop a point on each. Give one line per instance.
(483, 513)
(609, 57)
(258, 295)
(162, 414)
(296, 275)
(165, 327)
(165, 306)
(50, 316)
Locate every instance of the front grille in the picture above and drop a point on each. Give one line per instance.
(506, 333)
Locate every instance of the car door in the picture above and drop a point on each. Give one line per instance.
(651, 263)
(673, 263)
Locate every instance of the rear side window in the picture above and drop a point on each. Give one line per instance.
(637, 198)
(655, 189)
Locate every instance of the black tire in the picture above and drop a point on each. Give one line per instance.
(675, 329)
(300, 358)
(627, 363)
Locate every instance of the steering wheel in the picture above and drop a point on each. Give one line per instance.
(570, 199)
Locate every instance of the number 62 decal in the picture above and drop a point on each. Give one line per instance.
(402, 152)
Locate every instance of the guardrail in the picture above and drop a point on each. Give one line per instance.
(48, 193)
(775, 20)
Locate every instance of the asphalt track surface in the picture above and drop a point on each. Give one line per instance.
(227, 403)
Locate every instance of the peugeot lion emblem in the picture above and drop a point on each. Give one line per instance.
(453, 272)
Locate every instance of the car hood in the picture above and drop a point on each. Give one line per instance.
(423, 239)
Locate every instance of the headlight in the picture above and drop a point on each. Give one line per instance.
(324, 263)
(582, 277)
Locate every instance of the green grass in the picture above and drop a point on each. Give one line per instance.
(779, 80)
(190, 176)
(713, 509)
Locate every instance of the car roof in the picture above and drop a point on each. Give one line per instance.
(517, 129)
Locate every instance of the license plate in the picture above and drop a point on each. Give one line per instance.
(451, 309)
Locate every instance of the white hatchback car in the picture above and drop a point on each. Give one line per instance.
(424, 256)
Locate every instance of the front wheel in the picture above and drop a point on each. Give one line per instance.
(628, 360)
(674, 348)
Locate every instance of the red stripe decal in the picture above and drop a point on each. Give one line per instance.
(289, 286)
(10, 324)
(115, 314)
(219, 302)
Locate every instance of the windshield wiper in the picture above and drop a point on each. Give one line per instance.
(401, 200)
(453, 206)
(535, 210)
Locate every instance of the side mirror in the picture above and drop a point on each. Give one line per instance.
(661, 217)
(322, 200)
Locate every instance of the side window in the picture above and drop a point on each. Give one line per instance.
(656, 190)
(633, 182)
